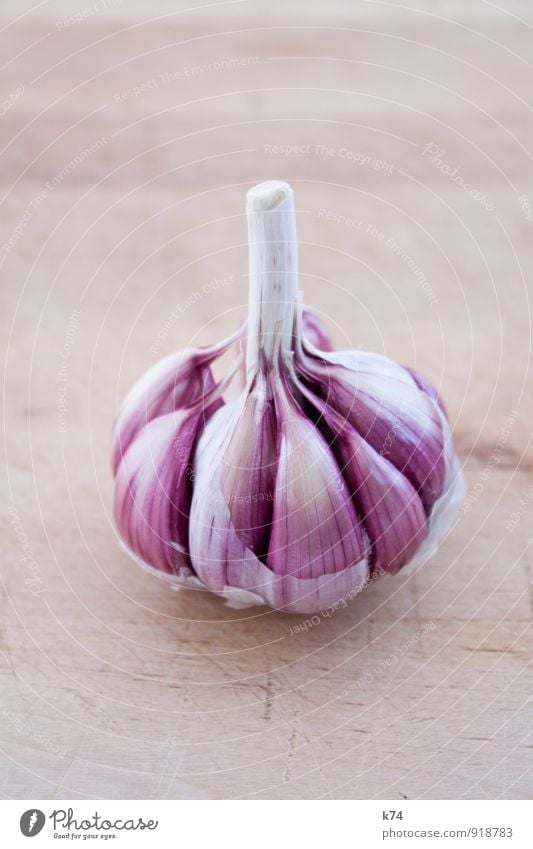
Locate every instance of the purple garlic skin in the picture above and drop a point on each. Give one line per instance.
(297, 484)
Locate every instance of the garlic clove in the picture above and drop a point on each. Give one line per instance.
(248, 460)
(154, 488)
(383, 402)
(236, 463)
(176, 381)
(392, 513)
(147, 493)
(315, 528)
(214, 544)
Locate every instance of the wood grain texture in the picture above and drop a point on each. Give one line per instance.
(125, 160)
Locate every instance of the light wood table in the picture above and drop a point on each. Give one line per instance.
(129, 136)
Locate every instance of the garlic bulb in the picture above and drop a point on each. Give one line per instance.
(322, 471)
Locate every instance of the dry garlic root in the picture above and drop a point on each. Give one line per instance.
(326, 469)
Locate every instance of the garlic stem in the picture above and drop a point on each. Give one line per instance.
(273, 269)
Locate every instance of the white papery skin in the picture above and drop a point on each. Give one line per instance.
(313, 520)
(223, 563)
(327, 470)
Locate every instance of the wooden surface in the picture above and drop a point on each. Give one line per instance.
(119, 210)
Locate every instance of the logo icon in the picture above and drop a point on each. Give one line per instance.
(32, 822)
